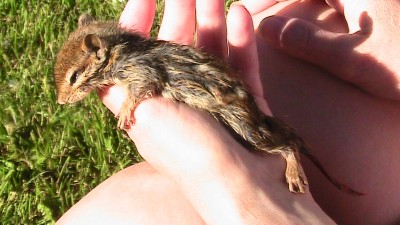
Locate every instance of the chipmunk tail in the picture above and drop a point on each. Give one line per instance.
(339, 185)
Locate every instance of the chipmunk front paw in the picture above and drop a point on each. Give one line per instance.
(125, 116)
(125, 120)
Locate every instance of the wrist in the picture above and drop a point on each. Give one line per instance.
(233, 194)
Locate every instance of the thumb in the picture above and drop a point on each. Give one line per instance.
(337, 53)
(306, 41)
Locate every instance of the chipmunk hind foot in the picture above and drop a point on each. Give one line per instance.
(294, 173)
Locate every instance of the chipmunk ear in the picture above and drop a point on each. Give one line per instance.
(84, 20)
(91, 43)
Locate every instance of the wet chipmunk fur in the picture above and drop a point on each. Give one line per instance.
(98, 54)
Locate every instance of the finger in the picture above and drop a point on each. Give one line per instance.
(336, 53)
(211, 27)
(113, 97)
(306, 41)
(256, 6)
(243, 56)
(353, 10)
(178, 24)
(138, 16)
(336, 4)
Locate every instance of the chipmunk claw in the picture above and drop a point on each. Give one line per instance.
(294, 175)
(296, 185)
(125, 119)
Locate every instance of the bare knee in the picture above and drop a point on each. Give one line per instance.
(135, 195)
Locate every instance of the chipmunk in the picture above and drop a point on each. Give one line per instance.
(98, 54)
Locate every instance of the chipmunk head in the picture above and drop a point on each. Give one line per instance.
(80, 61)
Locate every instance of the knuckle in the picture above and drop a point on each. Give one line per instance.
(299, 37)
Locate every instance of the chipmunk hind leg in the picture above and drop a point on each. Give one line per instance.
(268, 136)
(260, 138)
(289, 145)
(282, 140)
(294, 173)
(243, 120)
(273, 137)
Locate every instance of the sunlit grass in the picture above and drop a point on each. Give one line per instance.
(50, 155)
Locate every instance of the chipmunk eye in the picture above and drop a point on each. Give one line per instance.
(74, 77)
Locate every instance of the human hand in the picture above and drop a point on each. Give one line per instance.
(336, 118)
(216, 174)
(365, 56)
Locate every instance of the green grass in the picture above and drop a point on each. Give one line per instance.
(50, 155)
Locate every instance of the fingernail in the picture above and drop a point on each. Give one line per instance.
(236, 4)
(271, 29)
